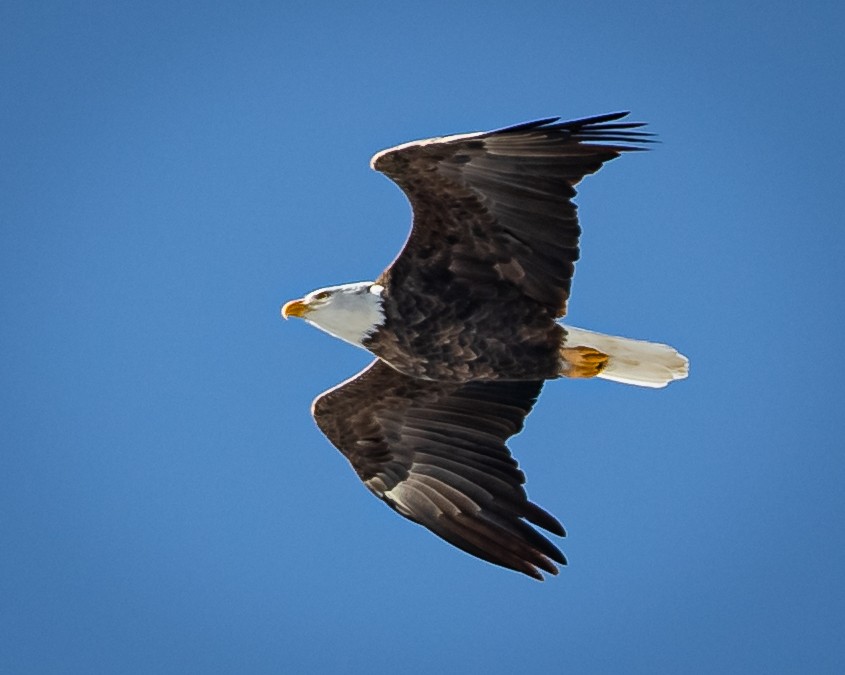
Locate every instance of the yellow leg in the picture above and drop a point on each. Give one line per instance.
(582, 361)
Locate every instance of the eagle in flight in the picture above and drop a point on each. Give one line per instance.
(465, 326)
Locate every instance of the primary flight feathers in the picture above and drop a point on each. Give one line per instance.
(465, 328)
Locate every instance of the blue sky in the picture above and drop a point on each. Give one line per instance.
(172, 172)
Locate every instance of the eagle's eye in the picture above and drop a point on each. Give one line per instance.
(322, 295)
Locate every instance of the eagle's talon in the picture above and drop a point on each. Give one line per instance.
(582, 362)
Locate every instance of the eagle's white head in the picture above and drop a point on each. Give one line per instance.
(350, 312)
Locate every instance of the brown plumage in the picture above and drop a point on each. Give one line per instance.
(495, 234)
(435, 452)
(467, 330)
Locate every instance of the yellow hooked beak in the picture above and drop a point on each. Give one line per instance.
(296, 308)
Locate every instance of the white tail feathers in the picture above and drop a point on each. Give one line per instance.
(645, 364)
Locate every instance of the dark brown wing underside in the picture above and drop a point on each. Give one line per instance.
(494, 209)
(436, 453)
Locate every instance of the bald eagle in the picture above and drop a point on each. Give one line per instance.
(465, 325)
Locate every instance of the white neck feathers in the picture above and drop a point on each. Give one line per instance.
(352, 313)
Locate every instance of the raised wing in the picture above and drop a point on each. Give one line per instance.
(494, 208)
(435, 452)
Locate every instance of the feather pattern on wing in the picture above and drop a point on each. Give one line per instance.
(436, 453)
(495, 233)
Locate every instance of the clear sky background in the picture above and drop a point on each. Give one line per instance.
(170, 173)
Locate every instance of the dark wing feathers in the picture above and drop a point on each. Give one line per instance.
(496, 206)
(435, 452)
(495, 233)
